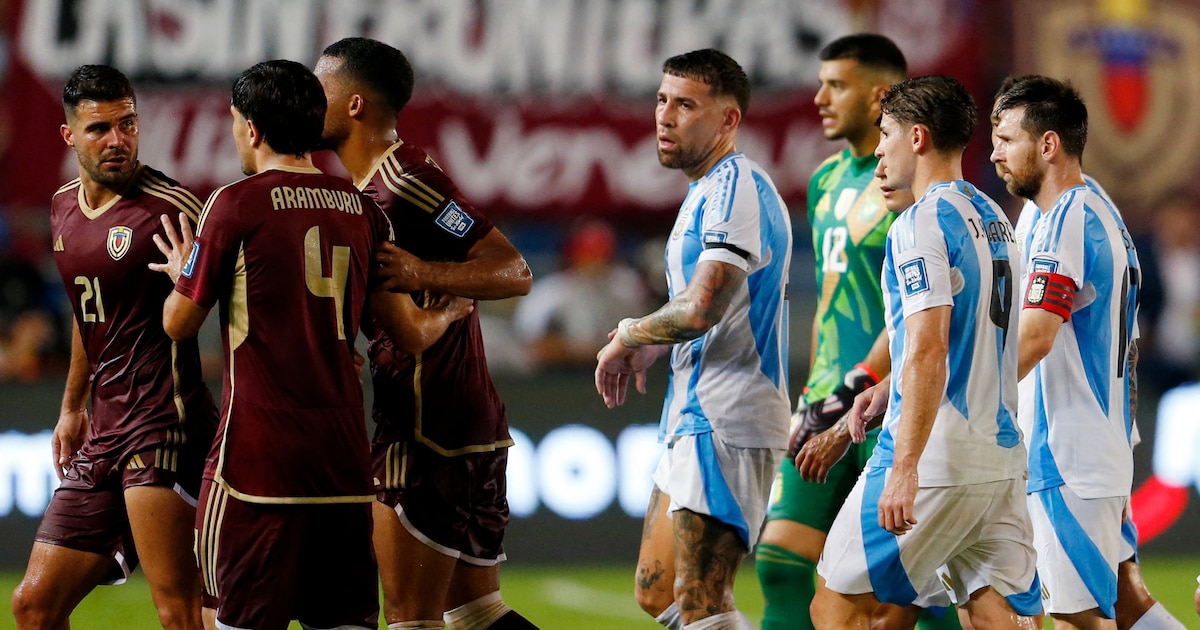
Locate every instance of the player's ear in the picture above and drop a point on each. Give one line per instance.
(67, 135)
(733, 118)
(253, 133)
(1049, 145)
(920, 138)
(356, 105)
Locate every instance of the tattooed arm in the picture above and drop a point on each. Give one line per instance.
(638, 342)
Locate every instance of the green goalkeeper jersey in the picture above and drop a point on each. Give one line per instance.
(849, 232)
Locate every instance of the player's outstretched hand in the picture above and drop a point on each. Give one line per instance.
(68, 438)
(896, 502)
(819, 454)
(868, 406)
(398, 270)
(177, 246)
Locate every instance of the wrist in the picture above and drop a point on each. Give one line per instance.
(624, 335)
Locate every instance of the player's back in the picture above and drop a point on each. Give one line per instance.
(291, 251)
(955, 248)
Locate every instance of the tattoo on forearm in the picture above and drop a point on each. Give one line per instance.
(708, 553)
(692, 312)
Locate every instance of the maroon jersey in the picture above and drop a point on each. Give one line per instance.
(443, 397)
(287, 253)
(145, 388)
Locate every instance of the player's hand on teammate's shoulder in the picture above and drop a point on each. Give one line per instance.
(397, 269)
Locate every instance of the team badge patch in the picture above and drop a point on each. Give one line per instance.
(715, 237)
(1037, 291)
(454, 220)
(1042, 265)
(190, 265)
(119, 240)
(915, 280)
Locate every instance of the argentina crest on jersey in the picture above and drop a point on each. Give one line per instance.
(915, 280)
(119, 240)
(454, 220)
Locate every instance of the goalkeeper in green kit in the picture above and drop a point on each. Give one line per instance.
(849, 231)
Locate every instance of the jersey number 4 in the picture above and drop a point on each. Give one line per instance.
(333, 285)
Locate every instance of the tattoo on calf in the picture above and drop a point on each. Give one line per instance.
(708, 553)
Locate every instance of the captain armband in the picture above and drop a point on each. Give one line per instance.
(1051, 292)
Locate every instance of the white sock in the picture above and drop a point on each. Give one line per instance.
(732, 620)
(670, 618)
(1157, 618)
(477, 614)
(425, 624)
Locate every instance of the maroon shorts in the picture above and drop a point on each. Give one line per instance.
(264, 565)
(87, 511)
(456, 505)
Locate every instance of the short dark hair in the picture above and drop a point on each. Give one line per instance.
(99, 83)
(286, 102)
(722, 75)
(938, 102)
(870, 50)
(381, 68)
(1050, 105)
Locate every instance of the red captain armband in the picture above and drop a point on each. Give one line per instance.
(1051, 292)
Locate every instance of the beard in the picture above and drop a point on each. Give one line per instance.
(681, 159)
(107, 176)
(1026, 180)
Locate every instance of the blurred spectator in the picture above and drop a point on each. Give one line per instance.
(568, 314)
(1175, 354)
(26, 328)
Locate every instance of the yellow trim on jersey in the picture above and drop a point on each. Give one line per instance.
(177, 196)
(208, 538)
(293, 169)
(362, 183)
(208, 206)
(419, 436)
(68, 186)
(239, 303)
(252, 498)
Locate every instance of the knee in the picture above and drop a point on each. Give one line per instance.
(179, 615)
(31, 608)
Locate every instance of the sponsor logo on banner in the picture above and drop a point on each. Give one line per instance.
(119, 240)
(1136, 63)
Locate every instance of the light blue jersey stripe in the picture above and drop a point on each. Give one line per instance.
(1087, 559)
(889, 578)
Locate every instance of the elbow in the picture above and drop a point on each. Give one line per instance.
(521, 279)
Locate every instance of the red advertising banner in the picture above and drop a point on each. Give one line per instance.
(537, 107)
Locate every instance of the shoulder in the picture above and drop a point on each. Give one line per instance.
(825, 167)
(154, 183)
(407, 174)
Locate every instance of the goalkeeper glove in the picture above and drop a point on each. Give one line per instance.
(809, 420)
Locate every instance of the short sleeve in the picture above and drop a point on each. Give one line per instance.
(730, 225)
(920, 260)
(1057, 244)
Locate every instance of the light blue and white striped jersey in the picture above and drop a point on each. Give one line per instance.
(955, 247)
(732, 380)
(1081, 387)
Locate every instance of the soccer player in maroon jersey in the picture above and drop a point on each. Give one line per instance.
(285, 524)
(131, 468)
(441, 440)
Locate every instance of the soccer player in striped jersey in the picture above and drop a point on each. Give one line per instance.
(130, 468)
(1081, 278)
(725, 416)
(441, 428)
(944, 484)
(849, 223)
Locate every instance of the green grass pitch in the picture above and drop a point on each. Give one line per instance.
(570, 597)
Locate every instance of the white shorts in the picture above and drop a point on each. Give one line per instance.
(702, 474)
(979, 535)
(1078, 546)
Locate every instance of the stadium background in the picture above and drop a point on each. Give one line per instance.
(541, 110)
